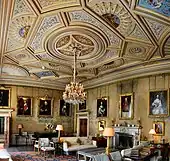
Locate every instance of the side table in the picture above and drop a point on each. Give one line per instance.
(59, 148)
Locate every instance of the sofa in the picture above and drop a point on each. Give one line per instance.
(143, 149)
(73, 144)
(5, 155)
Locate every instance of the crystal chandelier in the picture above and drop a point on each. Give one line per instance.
(74, 92)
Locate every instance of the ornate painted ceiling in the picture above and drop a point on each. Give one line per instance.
(118, 40)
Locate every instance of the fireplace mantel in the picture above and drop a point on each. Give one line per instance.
(135, 131)
(6, 113)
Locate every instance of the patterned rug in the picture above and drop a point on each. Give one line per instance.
(32, 156)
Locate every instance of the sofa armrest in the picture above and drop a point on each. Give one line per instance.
(65, 146)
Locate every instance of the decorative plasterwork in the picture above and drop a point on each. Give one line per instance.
(83, 43)
(90, 44)
(107, 57)
(47, 3)
(156, 55)
(9, 69)
(138, 34)
(127, 23)
(21, 8)
(167, 47)
(156, 27)
(15, 40)
(82, 16)
(6, 60)
(111, 65)
(21, 56)
(47, 24)
(137, 51)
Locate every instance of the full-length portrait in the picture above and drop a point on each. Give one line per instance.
(158, 103)
(4, 98)
(24, 106)
(102, 105)
(64, 108)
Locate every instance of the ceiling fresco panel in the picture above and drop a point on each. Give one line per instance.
(158, 6)
(19, 29)
(116, 15)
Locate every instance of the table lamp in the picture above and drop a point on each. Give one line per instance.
(59, 128)
(152, 133)
(108, 132)
(20, 126)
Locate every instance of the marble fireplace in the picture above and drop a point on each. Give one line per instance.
(130, 134)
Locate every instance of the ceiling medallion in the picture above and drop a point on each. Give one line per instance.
(24, 31)
(135, 50)
(112, 19)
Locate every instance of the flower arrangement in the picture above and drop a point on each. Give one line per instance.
(49, 126)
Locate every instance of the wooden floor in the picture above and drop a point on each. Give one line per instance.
(20, 148)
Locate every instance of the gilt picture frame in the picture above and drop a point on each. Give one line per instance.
(126, 110)
(82, 106)
(158, 103)
(5, 101)
(101, 125)
(45, 107)
(102, 107)
(159, 127)
(24, 106)
(64, 108)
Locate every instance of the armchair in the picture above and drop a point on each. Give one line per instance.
(41, 142)
(44, 144)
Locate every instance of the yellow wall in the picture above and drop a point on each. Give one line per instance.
(35, 123)
(140, 88)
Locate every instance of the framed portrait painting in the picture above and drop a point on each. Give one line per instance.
(126, 106)
(4, 98)
(158, 103)
(45, 107)
(101, 125)
(82, 106)
(102, 107)
(24, 106)
(64, 108)
(159, 127)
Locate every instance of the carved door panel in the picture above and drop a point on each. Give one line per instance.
(83, 127)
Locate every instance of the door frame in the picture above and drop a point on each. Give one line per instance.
(82, 115)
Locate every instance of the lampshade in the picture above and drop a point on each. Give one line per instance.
(152, 132)
(20, 126)
(108, 131)
(59, 127)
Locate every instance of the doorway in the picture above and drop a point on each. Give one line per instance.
(83, 127)
(83, 124)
